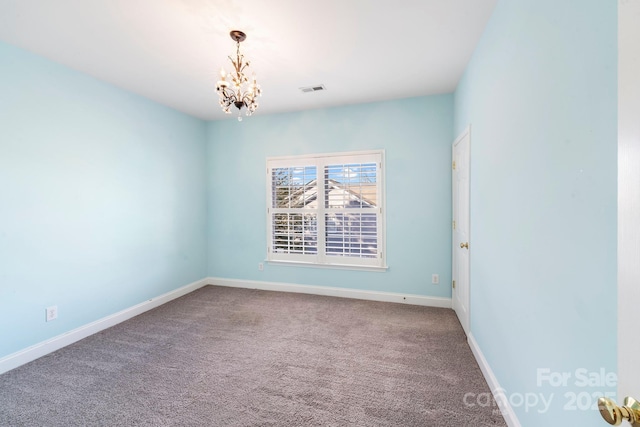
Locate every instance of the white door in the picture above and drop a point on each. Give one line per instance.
(628, 198)
(461, 247)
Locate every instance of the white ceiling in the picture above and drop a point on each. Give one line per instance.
(171, 51)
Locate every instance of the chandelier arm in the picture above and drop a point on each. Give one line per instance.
(248, 97)
(228, 94)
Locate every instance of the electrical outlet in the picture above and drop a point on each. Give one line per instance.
(260, 266)
(51, 313)
(435, 279)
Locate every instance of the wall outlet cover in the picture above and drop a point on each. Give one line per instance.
(51, 313)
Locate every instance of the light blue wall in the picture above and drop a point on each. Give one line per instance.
(416, 135)
(102, 199)
(540, 94)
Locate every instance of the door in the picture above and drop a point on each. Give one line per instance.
(628, 198)
(628, 348)
(461, 248)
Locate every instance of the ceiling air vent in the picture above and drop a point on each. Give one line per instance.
(315, 88)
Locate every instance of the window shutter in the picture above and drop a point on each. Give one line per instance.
(326, 209)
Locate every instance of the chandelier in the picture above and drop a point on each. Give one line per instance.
(235, 88)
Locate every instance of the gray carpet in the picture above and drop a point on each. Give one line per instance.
(238, 357)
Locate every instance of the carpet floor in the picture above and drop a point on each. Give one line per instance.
(239, 357)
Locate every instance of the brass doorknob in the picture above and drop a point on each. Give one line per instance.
(614, 414)
(464, 245)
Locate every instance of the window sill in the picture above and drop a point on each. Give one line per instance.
(329, 266)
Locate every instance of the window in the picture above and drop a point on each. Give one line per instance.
(326, 209)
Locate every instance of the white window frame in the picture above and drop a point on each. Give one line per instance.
(321, 259)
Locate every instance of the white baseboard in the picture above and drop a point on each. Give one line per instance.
(497, 391)
(38, 350)
(333, 292)
(45, 347)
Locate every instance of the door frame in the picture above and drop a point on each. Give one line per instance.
(466, 320)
